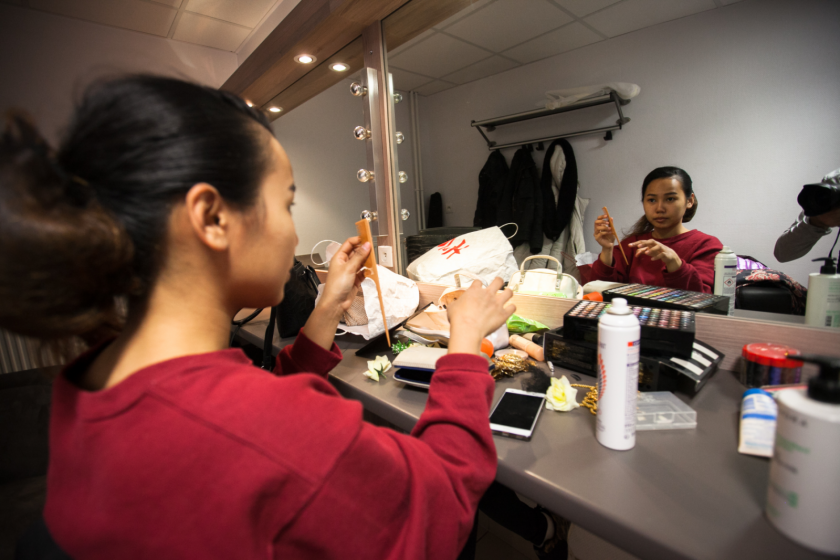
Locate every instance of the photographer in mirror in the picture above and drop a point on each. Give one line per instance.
(820, 204)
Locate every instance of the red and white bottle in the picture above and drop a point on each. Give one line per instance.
(618, 376)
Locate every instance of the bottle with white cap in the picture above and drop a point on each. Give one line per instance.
(618, 376)
(726, 269)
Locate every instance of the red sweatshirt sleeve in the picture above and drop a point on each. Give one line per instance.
(391, 496)
(619, 272)
(306, 356)
(697, 272)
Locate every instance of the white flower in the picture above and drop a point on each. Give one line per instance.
(378, 367)
(561, 395)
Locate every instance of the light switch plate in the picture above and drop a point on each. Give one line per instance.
(386, 256)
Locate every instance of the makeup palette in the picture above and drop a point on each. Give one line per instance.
(666, 331)
(669, 298)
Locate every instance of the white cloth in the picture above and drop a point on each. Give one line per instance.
(400, 296)
(561, 97)
(571, 240)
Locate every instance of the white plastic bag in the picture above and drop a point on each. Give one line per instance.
(399, 294)
(486, 253)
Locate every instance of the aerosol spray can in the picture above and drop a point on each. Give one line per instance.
(618, 376)
(726, 265)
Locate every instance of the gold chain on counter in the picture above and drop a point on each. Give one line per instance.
(590, 401)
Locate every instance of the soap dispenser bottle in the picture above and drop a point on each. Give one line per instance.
(803, 496)
(822, 308)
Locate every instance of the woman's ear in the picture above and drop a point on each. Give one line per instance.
(209, 216)
(690, 202)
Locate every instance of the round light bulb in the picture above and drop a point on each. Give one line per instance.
(305, 58)
(275, 109)
(339, 67)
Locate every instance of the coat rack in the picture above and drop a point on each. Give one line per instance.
(491, 124)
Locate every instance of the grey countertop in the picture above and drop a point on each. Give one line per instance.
(676, 494)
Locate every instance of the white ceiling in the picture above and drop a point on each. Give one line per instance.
(220, 24)
(492, 36)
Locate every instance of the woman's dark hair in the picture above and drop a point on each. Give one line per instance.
(643, 226)
(84, 225)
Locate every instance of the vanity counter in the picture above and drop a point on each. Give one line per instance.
(677, 494)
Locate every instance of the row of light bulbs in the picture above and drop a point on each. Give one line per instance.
(308, 59)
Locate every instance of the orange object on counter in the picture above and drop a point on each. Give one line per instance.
(487, 347)
(594, 296)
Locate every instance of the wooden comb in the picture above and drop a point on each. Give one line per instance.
(615, 233)
(363, 227)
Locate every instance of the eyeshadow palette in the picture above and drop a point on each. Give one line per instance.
(663, 331)
(669, 298)
(657, 372)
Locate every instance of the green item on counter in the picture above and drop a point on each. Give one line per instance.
(521, 325)
(398, 346)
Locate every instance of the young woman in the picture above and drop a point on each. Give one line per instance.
(661, 251)
(164, 443)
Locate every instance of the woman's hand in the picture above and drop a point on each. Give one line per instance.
(658, 252)
(342, 283)
(476, 314)
(344, 276)
(605, 238)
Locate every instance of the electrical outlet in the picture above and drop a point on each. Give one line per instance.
(448, 208)
(386, 256)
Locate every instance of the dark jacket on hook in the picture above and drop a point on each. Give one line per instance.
(521, 202)
(556, 217)
(491, 184)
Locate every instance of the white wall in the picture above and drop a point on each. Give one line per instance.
(318, 136)
(47, 60)
(746, 98)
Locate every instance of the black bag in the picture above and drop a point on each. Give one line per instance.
(298, 301)
(291, 315)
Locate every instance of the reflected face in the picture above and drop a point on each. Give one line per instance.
(265, 252)
(665, 203)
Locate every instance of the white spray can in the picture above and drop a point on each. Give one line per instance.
(618, 376)
(726, 269)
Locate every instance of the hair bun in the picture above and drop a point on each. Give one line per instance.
(63, 258)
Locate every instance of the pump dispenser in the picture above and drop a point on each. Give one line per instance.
(803, 497)
(823, 305)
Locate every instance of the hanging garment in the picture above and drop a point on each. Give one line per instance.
(571, 241)
(491, 184)
(562, 171)
(434, 218)
(521, 202)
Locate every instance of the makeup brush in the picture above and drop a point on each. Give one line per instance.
(612, 227)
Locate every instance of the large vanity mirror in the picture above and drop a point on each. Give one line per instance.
(734, 93)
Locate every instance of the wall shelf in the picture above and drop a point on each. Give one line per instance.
(490, 125)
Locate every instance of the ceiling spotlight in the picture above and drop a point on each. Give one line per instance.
(275, 109)
(249, 104)
(339, 67)
(305, 58)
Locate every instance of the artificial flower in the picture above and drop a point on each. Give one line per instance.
(561, 395)
(378, 367)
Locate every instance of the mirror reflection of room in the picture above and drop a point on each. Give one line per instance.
(732, 95)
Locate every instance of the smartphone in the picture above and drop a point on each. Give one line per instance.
(516, 414)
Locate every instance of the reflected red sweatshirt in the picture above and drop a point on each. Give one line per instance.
(697, 273)
(206, 456)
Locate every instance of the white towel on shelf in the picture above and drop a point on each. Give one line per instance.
(561, 97)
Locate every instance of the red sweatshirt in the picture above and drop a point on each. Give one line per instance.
(206, 456)
(697, 273)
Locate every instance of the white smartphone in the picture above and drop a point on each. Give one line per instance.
(516, 414)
